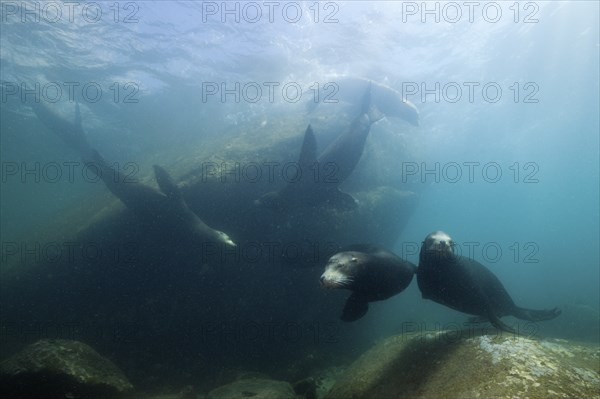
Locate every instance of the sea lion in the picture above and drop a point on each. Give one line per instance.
(333, 166)
(370, 272)
(167, 205)
(466, 285)
(349, 88)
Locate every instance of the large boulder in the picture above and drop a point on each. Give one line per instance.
(58, 368)
(461, 365)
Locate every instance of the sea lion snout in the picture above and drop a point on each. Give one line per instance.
(438, 241)
(335, 275)
(325, 282)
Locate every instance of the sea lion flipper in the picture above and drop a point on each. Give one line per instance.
(367, 107)
(308, 153)
(355, 308)
(477, 319)
(166, 183)
(536, 315)
(499, 324)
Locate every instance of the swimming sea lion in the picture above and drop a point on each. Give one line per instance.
(168, 205)
(466, 285)
(370, 272)
(349, 89)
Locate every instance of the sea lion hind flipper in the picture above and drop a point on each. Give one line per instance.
(499, 324)
(536, 315)
(308, 153)
(365, 102)
(367, 107)
(477, 319)
(166, 183)
(355, 308)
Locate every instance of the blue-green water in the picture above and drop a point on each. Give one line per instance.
(506, 157)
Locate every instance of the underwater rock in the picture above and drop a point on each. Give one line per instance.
(255, 388)
(57, 368)
(307, 388)
(454, 365)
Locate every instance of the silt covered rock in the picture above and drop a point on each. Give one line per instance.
(57, 368)
(448, 365)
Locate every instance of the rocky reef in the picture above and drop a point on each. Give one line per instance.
(465, 364)
(444, 364)
(57, 368)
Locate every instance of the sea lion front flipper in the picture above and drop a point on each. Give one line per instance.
(166, 183)
(355, 308)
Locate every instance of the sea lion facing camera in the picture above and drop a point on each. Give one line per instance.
(370, 272)
(466, 285)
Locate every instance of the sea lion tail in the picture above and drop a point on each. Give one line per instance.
(536, 315)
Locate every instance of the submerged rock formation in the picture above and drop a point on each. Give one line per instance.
(457, 365)
(58, 368)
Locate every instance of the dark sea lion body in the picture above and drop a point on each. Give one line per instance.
(370, 272)
(466, 285)
(167, 206)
